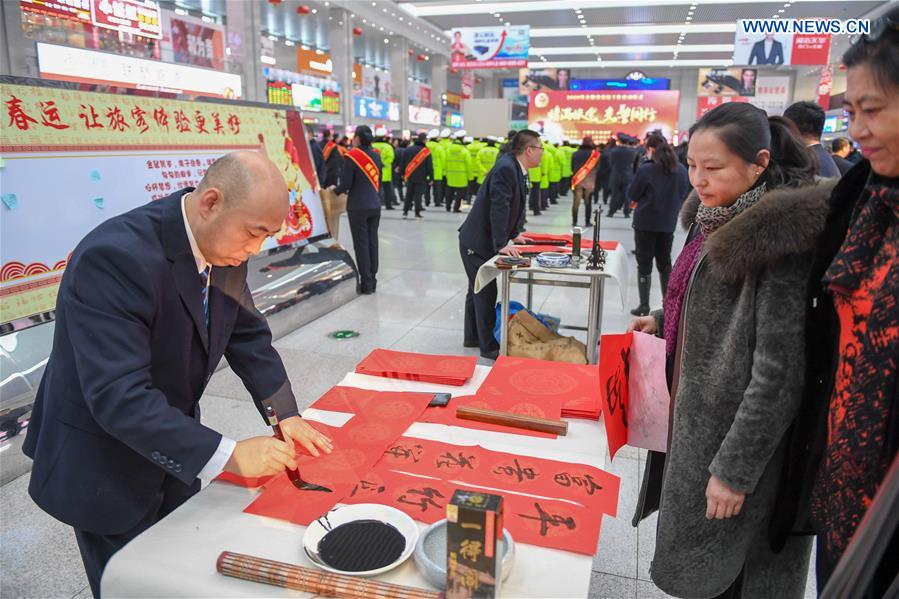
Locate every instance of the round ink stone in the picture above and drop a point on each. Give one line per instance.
(361, 546)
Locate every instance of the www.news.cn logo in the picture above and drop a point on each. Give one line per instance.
(805, 26)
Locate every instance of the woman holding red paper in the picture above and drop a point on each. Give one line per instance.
(733, 324)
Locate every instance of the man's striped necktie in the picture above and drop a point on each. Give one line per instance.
(204, 276)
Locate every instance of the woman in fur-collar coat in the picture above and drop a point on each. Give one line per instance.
(733, 325)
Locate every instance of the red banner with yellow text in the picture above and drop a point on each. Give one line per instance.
(575, 115)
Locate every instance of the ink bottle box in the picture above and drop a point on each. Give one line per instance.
(474, 538)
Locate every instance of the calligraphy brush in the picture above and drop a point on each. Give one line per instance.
(293, 475)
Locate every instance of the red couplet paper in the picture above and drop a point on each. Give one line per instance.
(475, 465)
(533, 520)
(438, 369)
(544, 383)
(614, 366)
(512, 404)
(358, 445)
(548, 238)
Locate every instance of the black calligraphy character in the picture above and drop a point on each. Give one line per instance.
(370, 487)
(456, 461)
(546, 520)
(517, 471)
(424, 500)
(615, 385)
(406, 453)
(586, 481)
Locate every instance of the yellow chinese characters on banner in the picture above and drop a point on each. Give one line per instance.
(109, 153)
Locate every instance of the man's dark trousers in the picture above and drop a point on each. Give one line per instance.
(480, 308)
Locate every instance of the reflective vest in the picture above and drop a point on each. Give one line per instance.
(457, 167)
(545, 165)
(486, 160)
(438, 158)
(386, 152)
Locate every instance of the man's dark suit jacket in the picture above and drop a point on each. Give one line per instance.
(498, 211)
(757, 55)
(116, 410)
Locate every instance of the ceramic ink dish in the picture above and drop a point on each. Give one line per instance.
(360, 540)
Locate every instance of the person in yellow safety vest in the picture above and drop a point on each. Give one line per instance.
(535, 198)
(567, 152)
(446, 141)
(555, 174)
(438, 157)
(458, 169)
(473, 147)
(486, 158)
(545, 165)
(384, 148)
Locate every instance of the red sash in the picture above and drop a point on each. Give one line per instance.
(367, 166)
(582, 172)
(329, 147)
(416, 162)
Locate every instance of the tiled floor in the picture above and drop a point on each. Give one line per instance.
(419, 306)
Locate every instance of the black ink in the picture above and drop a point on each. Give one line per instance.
(516, 471)
(372, 488)
(546, 520)
(406, 453)
(361, 545)
(615, 384)
(586, 481)
(456, 461)
(424, 500)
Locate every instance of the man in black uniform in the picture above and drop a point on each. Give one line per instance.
(496, 218)
(418, 172)
(621, 173)
(361, 180)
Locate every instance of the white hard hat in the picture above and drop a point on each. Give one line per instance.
(445, 133)
(380, 131)
(468, 139)
(492, 138)
(536, 128)
(433, 134)
(459, 134)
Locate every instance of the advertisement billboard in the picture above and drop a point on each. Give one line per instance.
(733, 81)
(421, 115)
(314, 62)
(575, 115)
(76, 10)
(73, 159)
(772, 94)
(780, 48)
(139, 17)
(531, 80)
(371, 108)
(197, 43)
(63, 63)
(306, 97)
(490, 47)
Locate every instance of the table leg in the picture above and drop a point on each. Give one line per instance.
(506, 282)
(530, 290)
(592, 306)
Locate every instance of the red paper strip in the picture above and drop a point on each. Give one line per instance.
(537, 521)
(512, 403)
(567, 238)
(358, 445)
(614, 363)
(540, 382)
(440, 369)
(472, 464)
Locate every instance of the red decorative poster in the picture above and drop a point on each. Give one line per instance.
(634, 390)
(706, 103)
(438, 369)
(140, 17)
(542, 384)
(602, 114)
(614, 364)
(825, 85)
(810, 50)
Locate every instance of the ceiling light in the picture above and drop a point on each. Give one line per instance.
(314, 11)
(289, 43)
(508, 24)
(374, 3)
(780, 11)
(273, 38)
(689, 18)
(386, 41)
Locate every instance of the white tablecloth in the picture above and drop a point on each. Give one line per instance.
(176, 557)
(616, 269)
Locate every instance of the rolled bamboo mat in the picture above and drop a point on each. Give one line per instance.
(311, 580)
